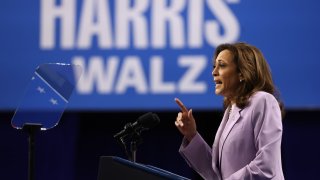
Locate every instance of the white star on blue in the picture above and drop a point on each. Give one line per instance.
(41, 90)
(54, 101)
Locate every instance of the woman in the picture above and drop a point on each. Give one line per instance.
(247, 144)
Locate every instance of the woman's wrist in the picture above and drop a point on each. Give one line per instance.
(191, 136)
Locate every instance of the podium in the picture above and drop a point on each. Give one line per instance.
(111, 167)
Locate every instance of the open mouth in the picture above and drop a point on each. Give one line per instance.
(218, 82)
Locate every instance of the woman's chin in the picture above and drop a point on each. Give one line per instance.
(217, 92)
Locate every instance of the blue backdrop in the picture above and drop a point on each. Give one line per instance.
(140, 54)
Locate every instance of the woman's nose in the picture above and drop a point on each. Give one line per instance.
(214, 72)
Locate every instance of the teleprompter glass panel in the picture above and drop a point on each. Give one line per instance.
(47, 95)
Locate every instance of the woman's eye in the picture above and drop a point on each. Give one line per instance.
(219, 66)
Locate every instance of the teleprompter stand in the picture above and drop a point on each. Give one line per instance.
(31, 129)
(44, 102)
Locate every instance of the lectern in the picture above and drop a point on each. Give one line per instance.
(111, 167)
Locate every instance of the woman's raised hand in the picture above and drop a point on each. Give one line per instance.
(185, 121)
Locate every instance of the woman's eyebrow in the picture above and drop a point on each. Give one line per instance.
(218, 61)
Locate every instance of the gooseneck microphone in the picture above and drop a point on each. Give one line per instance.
(132, 132)
(144, 122)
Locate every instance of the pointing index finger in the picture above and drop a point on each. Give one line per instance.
(182, 107)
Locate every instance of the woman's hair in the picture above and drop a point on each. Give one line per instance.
(255, 72)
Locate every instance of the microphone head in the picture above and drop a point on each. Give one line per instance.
(148, 120)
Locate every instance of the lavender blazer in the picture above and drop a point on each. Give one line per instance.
(247, 147)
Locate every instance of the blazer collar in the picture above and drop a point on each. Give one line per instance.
(222, 130)
(234, 117)
(215, 147)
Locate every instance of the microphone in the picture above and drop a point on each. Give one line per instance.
(144, 122)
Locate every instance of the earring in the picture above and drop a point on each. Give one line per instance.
(240, 75)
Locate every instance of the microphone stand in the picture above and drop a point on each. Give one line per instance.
(134, 151)
(133, 131)
(135, 140)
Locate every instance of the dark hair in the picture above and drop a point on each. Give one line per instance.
(255, 72)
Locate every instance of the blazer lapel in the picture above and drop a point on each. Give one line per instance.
(215, 146)
(221, 128)
(233, 120)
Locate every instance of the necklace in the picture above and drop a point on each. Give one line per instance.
(230, 110)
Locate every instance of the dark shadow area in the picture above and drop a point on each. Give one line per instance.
(72, 149)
